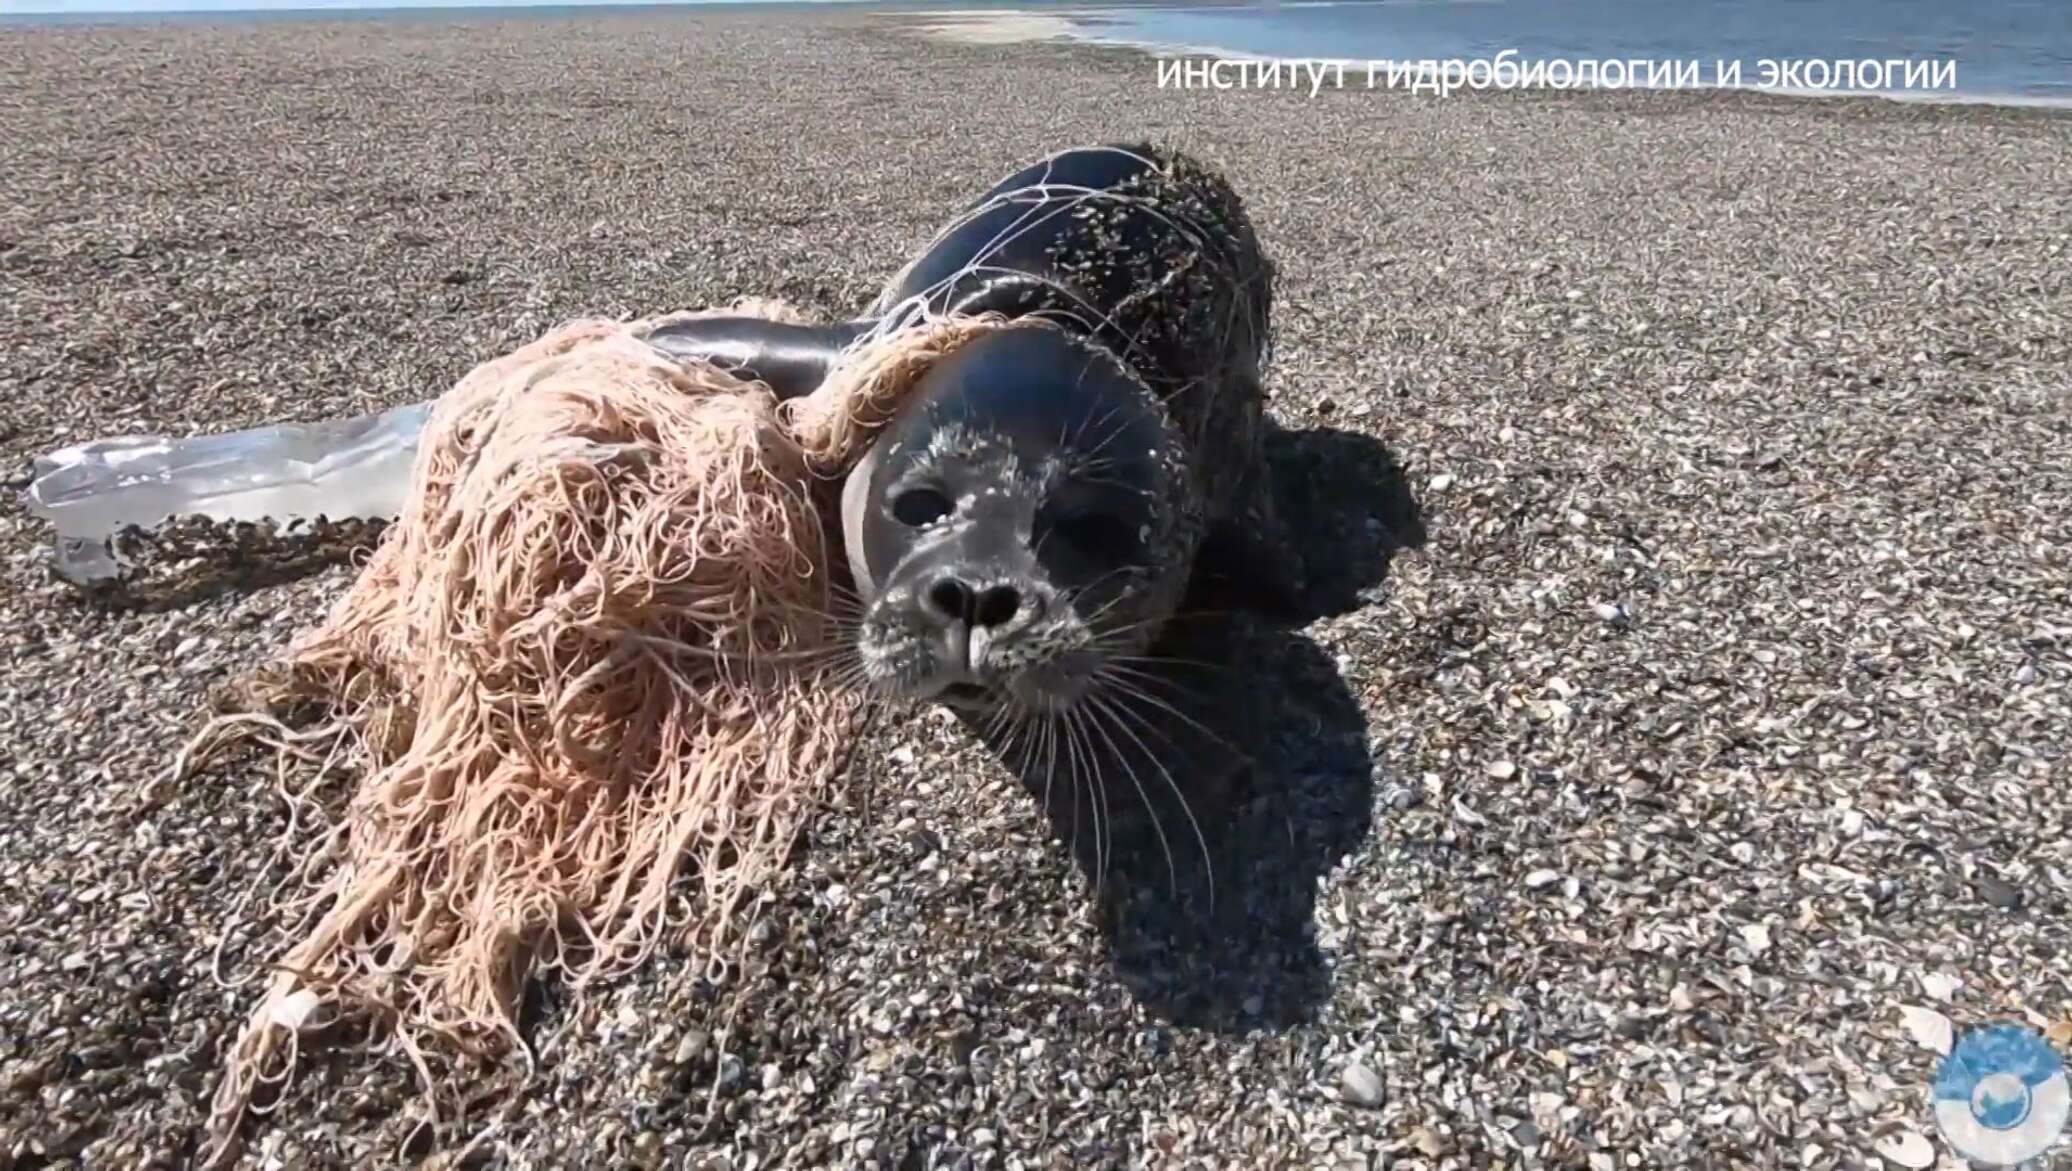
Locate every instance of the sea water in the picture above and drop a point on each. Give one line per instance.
(2005, 50)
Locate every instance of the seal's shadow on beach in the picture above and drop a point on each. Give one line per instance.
(1239, 773)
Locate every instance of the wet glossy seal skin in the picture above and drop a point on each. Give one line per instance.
(1037, 510)
(1024, 522)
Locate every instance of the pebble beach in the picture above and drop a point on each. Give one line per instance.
(1691, 758)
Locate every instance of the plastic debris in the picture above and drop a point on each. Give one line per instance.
(346, 468)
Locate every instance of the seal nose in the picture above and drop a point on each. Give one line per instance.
(953, 599)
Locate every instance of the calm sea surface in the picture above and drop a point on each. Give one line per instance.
(2018, 50)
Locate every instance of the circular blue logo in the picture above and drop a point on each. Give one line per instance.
(2001, 1097)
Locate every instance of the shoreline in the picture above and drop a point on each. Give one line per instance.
(1063, 25)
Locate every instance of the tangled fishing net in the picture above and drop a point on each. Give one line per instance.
(594, 656)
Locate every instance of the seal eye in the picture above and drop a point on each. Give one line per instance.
(920, 506)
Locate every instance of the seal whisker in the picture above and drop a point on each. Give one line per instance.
(1115, 637)
(1117, 711)
(1099, 784)
(1127, 665)
(1072, 596)
(1096, 791)
(1086, 423)
(1006, 718)
(1177, 617)
(1050, 772)
(1114, 433)
(1126, 687)
(1017, 738)
(1095, 711)
(853, 676)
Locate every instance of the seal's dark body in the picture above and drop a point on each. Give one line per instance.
(1149, 255)
(1145, 254)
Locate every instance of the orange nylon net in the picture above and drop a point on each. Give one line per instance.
(594, 663)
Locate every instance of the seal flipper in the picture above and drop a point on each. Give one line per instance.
(792, 360)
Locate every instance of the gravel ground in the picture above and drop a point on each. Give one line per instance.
(1717, 729)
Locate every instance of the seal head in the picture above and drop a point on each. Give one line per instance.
(1051, 486)
(1012, 529)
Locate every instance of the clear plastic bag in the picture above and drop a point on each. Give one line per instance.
(346, 468)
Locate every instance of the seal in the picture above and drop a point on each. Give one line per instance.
(1020, 523)
(1037, 510)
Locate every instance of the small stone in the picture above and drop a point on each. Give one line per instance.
(1429, 1141)
(2000, 894)
(1539, 879)
(24, 1075)
(1757, 937)
(1502, 770)
(1441, 483)
(1742, 852)
(295, 1010)
(688, 1049)
(2025, 674)
(1907, 1148)
(1361, 1085)
(1939, 986)
(1930, 1029)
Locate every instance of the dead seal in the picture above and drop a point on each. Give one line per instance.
(1036, 511)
